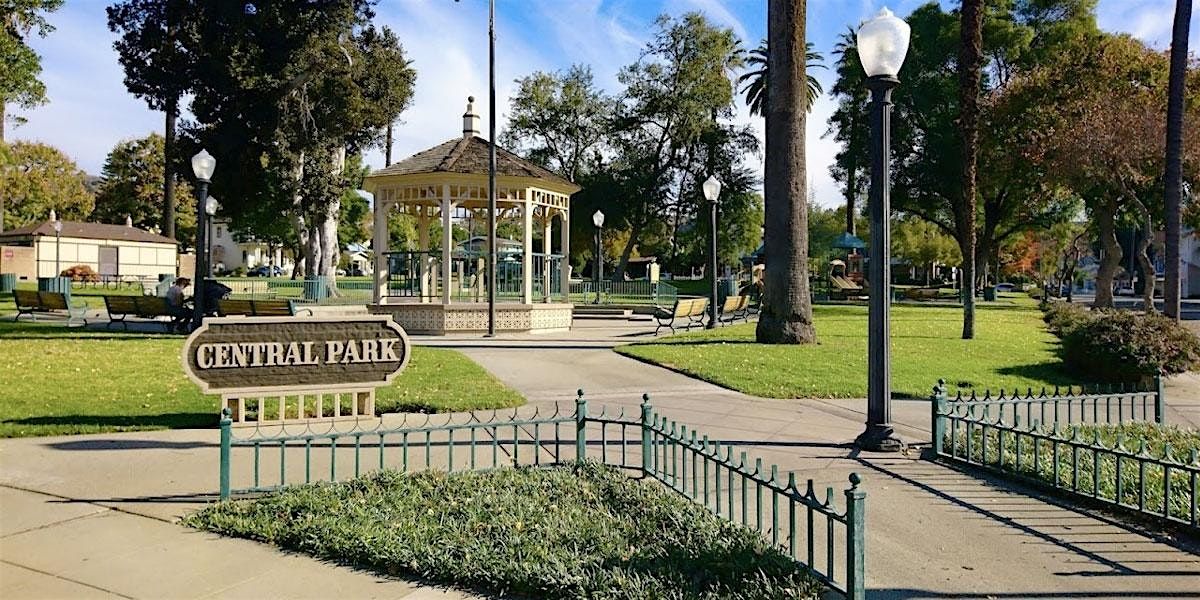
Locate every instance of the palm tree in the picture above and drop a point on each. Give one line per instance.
(970, 75)
(786, 315)
(1174, 170)
(757, 81)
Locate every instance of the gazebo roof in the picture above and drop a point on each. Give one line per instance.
(469, 155)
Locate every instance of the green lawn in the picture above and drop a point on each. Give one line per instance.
(67, 381)
(1011, 348)
(587, 532)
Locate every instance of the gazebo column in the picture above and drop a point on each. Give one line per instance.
(447, 242)
(547, 220)
(379, 244)
(527, 249)
(565, 243)
(424, 256)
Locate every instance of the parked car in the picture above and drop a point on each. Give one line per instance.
(265, 271)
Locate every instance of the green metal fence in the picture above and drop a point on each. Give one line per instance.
(642, 291)
(1075, 443)
(827, 541)
(349, 290)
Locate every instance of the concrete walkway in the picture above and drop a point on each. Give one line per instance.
(84, 516)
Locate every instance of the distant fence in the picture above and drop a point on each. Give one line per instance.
(643, 291)
(1076, 442)
(349, 290)
(826, 541)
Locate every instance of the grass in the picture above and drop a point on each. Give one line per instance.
(1011, 348)
(1036, 461)
(66, 381)
(586, 532)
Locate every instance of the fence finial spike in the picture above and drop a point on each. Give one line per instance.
(646, 398)
(579, 393)
(226, 413)
(855, 479)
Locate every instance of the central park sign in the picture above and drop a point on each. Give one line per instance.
(264, 355)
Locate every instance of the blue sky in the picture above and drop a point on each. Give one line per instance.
(89, 110)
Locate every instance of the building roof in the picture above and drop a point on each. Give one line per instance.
(469, 155)
(90, 231)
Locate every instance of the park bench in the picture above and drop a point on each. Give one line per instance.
(734, 308)
(691, 309)
(258, 308)
(121, 307)
(30, 302)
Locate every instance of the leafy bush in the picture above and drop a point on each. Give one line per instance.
(1128, 346)
(1063, 317)
(80, 273)
(583, 532)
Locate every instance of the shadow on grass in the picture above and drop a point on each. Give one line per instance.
(1052, 373)
(203, 420)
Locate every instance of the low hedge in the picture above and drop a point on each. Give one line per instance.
(1123, 346)
(564, 532)
(1063, 317)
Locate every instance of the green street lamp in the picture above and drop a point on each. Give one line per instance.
(882, 45)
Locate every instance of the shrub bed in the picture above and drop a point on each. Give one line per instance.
(1125, 346)
(582, 532)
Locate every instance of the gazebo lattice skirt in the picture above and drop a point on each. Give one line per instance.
(472, 317)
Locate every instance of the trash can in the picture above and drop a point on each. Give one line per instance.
(316, 288)
(8, 282)
(989, 294)
(61, 285)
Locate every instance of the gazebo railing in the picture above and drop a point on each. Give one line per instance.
(468, 281)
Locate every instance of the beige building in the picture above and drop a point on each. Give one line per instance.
(110, 250)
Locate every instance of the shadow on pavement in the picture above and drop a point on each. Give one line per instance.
(203, 420)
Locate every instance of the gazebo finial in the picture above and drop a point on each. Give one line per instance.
(470, 119)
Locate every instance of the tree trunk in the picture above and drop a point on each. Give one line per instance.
(786, 313)
(1106, 226)
(168, 216)
(1143, 258)
(1174, 167)
(387, 148)
(618, 273)
(3, 118)
(970, 73)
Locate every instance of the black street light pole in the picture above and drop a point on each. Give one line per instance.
(882, 43)
(712, 192)
(201, 253)
(879, 434)
(492, 169)
(598, 272)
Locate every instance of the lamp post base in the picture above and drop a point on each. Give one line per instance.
(879, 438)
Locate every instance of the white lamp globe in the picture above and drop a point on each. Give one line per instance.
(203, 165)
(712, 188)
(882, 44)
(598, 219)
(57, 226)
(211, 206)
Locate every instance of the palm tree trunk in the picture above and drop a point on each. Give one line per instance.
(1174, 167)
(786, 315)
(168, 216)
(970, 73)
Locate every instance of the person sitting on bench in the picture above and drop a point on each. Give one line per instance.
(177, 304)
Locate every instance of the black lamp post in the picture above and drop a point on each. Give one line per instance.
(210, 208)
(57, 247)
(712, 192)
(203, 165)
(598, 274)
(882, 44)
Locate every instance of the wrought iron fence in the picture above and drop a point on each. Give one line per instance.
(419, 274)
(826, 541)
(1085, 449)
(642, 291)
(348, 290)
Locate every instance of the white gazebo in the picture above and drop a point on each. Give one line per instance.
(439, 288)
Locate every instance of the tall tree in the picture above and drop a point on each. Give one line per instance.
(559, 120)
(1176, 91)
(970, 78)
(849, 125)
(757, 81)
(283, 92)
(132, 185)
(786, 316)
(156, 70)
(41, 178)
(19, 64)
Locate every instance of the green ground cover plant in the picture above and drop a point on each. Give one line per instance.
(1177, 445)
(565, 532)
(1012, 348)
(66, 381)
(1121, 345)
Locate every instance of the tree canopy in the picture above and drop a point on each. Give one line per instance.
(132, 185)
(36, 178)
(20, 66)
